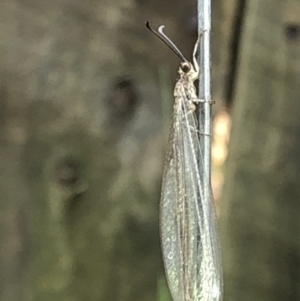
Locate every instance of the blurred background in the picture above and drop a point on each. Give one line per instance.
(86, 95)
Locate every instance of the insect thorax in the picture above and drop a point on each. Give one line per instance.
(185, 89)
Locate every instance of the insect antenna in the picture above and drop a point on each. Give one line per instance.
(162, 36)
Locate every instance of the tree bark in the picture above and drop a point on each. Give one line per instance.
(82, 148)
(260, 207)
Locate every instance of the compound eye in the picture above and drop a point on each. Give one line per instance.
(185, 67)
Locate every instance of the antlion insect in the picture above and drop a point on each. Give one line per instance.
(187, 221)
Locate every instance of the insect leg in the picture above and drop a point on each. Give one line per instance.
(195, 62)
(196, 100)
(196, 65)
